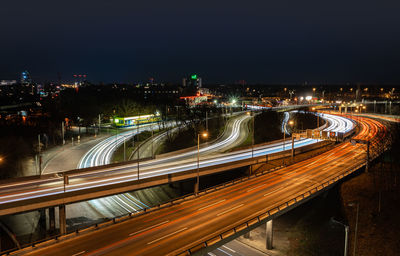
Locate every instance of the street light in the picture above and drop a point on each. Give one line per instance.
(284, 132)
(346, 235)
(196, 187)
(252, 138)
(356, 203)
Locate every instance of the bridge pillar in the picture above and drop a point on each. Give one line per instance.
(52, 220)
(269, 238)
(367, 163)
(292, 146)
(42, 219)
(63, 219)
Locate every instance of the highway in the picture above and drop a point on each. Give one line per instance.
(117, 205)
(31, 189)
(175, 229)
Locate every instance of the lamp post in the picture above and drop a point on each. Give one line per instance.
(138, 147)
(356, 203)
(252, 138)
(152, 141)
(346, 235)
(196, 187)
(284, 132)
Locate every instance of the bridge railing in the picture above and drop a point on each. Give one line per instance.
(172, 202)
(214, 238)
(263, 216)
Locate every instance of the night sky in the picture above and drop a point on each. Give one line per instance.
(223, 41)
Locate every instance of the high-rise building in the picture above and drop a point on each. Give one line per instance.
(26, 78)
(192, 81)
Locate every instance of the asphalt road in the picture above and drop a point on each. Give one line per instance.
(171, 230)
(31, 189)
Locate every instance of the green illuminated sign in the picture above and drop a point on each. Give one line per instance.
(194, 76)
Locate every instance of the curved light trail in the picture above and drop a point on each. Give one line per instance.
(113, 175)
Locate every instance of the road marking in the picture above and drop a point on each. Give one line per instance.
(256, 187)
(225, 252)
(171, 234)
(140, 231)
(229, 249)
(273, 191)
(79, 253)
(211, 254)
(237, 206)
(210, 205)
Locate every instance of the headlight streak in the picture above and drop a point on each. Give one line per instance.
(337, 123)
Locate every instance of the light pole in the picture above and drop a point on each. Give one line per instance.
(138, 147)
(346, 235)
(284, 132)
(313, 109)
(124, 149)
(196, 187)
(251, 114)
(357, 204)
(152, 138)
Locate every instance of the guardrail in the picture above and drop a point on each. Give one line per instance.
(262, 217)
(146, 210)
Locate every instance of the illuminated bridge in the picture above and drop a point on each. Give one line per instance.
(196, 225)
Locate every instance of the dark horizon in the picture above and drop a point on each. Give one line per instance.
(265, 43)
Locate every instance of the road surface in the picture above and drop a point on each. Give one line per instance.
(173, 230)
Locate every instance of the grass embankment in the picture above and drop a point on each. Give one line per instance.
(378, 195)
(130, 146)
(186, 137)
(268, 126)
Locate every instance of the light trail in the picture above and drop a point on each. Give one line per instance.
(152, 168)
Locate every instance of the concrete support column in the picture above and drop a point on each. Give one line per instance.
(52, 220)
(63, 219)
(367, 164)
(269, 239)
(42, 219)
(292, 146)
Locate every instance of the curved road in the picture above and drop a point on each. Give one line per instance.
(188, 225)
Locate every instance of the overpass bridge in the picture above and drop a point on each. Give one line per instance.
(31, 193)
(197, 225)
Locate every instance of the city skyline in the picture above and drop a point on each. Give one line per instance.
(223, 42)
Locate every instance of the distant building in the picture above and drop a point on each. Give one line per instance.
(26, 78)
(8, 82)
(193, 81)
